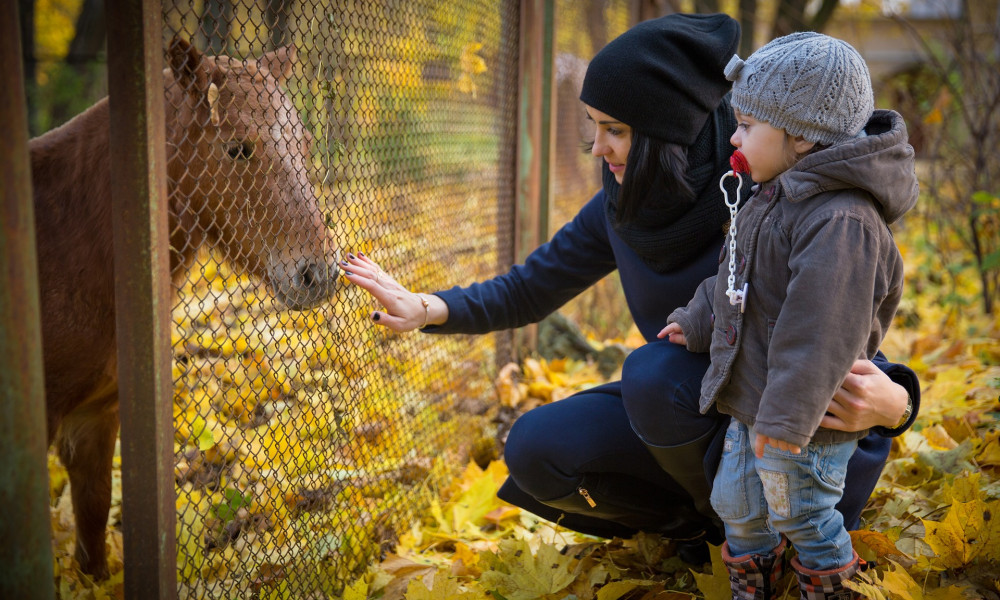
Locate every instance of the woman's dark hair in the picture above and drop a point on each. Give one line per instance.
(652, 163)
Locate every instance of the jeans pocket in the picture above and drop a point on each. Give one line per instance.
(831, 462)
(729, 492)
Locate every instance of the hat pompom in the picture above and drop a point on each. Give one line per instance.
(734, 68)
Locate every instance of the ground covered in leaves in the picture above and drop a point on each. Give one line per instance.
(931, 529)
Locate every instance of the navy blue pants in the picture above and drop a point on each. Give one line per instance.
(597, 437)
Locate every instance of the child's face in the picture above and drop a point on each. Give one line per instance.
(612, 141)
(769, 151)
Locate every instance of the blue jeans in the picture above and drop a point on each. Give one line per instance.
(783, 493)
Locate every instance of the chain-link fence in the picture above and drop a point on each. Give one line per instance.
(305, 435)
(582, 28)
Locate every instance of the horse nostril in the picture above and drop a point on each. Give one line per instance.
(312, 275)
(308, 276)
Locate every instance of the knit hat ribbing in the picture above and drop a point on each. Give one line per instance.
(664, 76)
(806, 83)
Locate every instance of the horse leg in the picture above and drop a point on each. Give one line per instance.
(87, 448)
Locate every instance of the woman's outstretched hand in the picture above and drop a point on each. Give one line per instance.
(867, 398)
(404, 310)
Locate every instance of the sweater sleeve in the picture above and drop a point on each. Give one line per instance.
(576, 257)
(904, 376)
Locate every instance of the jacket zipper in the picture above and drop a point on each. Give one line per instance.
(586, 496)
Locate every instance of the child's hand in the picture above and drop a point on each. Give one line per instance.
(674, 333)
(763, 440)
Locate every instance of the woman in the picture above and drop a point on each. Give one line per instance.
(662, 122)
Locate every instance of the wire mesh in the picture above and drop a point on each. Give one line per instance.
(582, 28)
(306, 437)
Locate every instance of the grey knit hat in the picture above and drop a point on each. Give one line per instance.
(806, 83)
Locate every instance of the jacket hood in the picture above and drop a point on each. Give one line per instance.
(881, 163)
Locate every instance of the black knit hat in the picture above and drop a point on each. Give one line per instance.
(664, 76)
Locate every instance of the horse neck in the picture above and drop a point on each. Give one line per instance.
(71, 181)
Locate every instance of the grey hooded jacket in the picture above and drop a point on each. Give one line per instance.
(825, 278)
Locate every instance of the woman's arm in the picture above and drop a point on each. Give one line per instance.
(576, 257)
(876, 394)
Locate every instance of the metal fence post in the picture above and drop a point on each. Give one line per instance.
(25, 536)
(142, 296)
(535, 134)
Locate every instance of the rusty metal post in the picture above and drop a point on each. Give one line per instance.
(535, 135)
(142, 296)
(25, 535)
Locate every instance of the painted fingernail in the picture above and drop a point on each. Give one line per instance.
(344, 262)
(350, 256)
(376, 316)
(361, 253)
(348, 273)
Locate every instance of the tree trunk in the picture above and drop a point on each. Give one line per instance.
(706, 6)
(748, 20)
(216, 21)
(596, 27)
(26, 15)
(89, 39)
(276, 17)
(824, 14)
(789, 18)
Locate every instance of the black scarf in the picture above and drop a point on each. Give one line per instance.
(668, 233)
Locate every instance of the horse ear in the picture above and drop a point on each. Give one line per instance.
(186, 64)
(280, 62)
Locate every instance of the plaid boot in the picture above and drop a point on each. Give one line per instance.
(755, 576)
(826, 585)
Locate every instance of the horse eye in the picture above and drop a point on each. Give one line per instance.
(239, 150)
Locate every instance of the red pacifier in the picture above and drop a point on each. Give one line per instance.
(739, 163)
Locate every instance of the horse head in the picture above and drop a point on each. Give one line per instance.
(238, 156)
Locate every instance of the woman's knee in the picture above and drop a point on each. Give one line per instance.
(526, 444)
(661, 388)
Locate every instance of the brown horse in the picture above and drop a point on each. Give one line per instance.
(237, 154)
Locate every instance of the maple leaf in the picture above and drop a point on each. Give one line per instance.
(714, 585)
(967, 531)
(442, 588)
(517, 574)
(874, 546)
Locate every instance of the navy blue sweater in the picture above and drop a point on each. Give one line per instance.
(578, 256)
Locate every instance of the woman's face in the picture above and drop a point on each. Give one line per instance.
(612, 141)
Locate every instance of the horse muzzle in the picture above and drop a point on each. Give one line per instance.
(304, 284)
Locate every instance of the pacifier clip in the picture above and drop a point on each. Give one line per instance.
(739, 165)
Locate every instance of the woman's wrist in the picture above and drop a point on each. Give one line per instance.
(899, 407)
(435, 310)
(427, 309)
(907, 412)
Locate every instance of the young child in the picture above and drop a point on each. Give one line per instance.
(812, 286)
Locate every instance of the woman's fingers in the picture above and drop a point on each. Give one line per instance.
(387, 320)
(402, 310)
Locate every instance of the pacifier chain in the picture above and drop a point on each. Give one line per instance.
(739, 165)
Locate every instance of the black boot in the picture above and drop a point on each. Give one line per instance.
(684, 463)
(602, 497)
